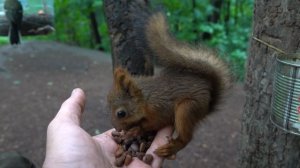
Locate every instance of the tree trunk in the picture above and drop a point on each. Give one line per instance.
(227, 5)
(276, 22)
(95, 33)
(214, 17)
(129, 48)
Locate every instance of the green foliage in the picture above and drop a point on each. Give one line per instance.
(72, 23)
(229, 34)
(3, 41)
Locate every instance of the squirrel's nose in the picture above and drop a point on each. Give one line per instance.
(116, 125)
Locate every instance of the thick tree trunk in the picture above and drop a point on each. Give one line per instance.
(129, 48)
(263, 145)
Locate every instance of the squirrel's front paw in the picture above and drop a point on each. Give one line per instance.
(133, 132)
(168, 150)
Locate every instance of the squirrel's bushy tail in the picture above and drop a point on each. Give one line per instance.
(198, 60)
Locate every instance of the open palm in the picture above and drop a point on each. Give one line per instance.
(68, 145)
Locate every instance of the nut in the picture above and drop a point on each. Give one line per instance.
(119, 151)
(115, 134)
(142, 147)
(148, 158)
(130, 146)
(118, 140)
(140, 155)
(128, 160)
(134, 147)
(120, 160)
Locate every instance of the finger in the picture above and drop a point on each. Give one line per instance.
(138, 163)
(160, 139)
(106, 142)
(72, 109)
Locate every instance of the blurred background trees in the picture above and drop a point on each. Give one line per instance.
(224, 24)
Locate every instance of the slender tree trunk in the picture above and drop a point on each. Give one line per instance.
(214, 17)
(263, 145)
(95, 33)
(236, 11)
(129, 48)
(227, 15)
(195, 29)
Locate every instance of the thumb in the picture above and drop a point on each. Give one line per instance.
(71, 110)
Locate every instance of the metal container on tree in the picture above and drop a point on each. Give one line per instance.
(286, 94)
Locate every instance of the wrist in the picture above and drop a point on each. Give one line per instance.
(51, 163)
(59, 163)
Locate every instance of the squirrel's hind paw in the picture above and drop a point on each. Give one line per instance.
(168, 150)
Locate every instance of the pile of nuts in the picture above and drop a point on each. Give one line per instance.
(129, 147)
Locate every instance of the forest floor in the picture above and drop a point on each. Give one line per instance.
(36, 77)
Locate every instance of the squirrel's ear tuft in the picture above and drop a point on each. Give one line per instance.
(123, 82)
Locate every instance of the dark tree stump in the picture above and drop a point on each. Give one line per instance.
(126, 20)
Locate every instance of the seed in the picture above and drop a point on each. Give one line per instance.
(142, 147)
(140, 155)
(134, 147)
(118, 129)
(115, 134)
(122, 132)
(150, 138)
(148, 144)
(128, 160)
(133, 154)
(118, 140)
(128, 141)
(130, 152)
(148, 158)
(119, 151)
(139, 138)
(120, 160)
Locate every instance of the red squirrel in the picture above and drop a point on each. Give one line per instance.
(186, 90)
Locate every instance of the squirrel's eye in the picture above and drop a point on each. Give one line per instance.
(121, 114)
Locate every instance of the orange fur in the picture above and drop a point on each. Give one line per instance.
(183, 94)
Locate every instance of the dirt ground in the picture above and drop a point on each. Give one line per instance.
(36, 77)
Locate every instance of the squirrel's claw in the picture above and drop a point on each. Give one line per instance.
(168, 150)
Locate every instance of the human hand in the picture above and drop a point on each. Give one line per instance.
(68, 145)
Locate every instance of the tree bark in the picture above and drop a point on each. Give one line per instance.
(129, 48)
(276, 22)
